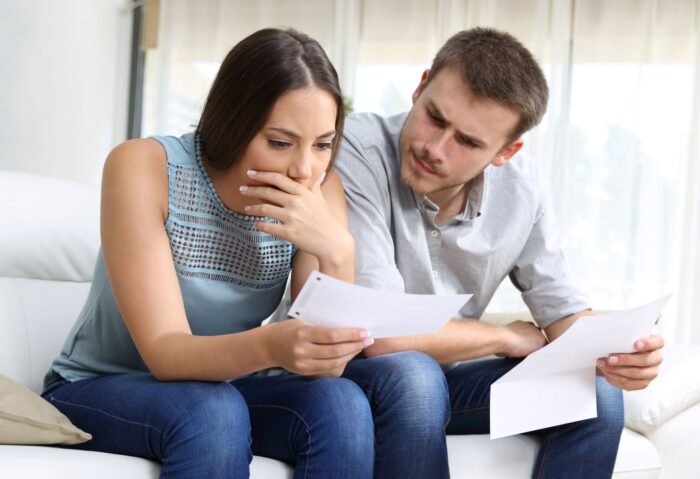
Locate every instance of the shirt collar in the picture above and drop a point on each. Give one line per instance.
(475, 200)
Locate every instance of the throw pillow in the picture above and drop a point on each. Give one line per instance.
(675, 389)
(26, 418)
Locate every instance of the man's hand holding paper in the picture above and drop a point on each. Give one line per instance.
(633, 371)
(556, 385)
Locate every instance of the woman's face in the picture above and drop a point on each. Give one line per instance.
(296, 140)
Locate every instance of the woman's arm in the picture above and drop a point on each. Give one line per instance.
(315, 220)
(142, 274)
(340, 261)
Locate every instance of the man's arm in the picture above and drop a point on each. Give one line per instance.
(628, 371)
(369, 209)
(464, 339)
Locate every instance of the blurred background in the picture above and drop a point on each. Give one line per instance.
(618, 148)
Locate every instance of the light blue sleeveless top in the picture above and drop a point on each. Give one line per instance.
(231, 275)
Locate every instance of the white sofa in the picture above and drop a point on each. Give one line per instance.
(48, 244)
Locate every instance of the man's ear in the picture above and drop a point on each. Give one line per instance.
(507, 152)
(421, 85)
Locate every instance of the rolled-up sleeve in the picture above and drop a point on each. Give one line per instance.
(542, 273)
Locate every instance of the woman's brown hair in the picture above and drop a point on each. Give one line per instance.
(254, 75)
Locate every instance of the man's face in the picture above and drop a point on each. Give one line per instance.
(450, 136)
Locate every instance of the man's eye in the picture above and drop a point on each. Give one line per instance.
(469, 143)
(277, 144)
(435, 119)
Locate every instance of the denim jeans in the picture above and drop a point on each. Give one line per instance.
(408, 395)
(385, 418)
(206, 429)
(582, 449)
(325, 427)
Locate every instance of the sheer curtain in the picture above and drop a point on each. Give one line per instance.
(618, 147)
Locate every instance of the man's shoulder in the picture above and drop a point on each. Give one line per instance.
(522, 167)
(373, 129)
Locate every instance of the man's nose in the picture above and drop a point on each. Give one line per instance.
(435, 147)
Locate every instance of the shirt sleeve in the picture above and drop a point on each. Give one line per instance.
(366, 183)
(542, 273)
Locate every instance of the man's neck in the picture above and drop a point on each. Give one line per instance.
(450, 202)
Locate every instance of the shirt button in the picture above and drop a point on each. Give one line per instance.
(434, 233)
(435, 274)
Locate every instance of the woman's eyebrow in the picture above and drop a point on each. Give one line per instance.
(294, 134)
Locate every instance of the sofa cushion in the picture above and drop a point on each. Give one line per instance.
(35, 317)
(26, 418)
(50, 227)
(675, 389)
(35, 462)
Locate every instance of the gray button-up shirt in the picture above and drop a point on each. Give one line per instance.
(506, 229)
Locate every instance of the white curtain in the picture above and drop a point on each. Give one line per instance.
(619, 146)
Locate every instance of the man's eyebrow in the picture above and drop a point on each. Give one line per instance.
(472, 139)
(466, 137)
(294, 134)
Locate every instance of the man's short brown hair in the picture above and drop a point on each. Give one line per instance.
(497, 67)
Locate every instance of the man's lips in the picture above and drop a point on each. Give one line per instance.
(422, 166)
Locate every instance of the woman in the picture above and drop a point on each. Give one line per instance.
(199, 234)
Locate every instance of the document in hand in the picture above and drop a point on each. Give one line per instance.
(557, 384)
(329, 302)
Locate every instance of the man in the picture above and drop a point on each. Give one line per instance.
(441, 200)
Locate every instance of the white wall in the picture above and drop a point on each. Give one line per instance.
(64, 78)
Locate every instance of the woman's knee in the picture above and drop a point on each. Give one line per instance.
(340, 401)
(339, 414)
(211, 420)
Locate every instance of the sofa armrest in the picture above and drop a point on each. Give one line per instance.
(676, 389)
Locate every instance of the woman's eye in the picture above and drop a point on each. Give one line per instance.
(277, 144)
(324, 146)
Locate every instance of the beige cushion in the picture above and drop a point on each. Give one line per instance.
(26, 418)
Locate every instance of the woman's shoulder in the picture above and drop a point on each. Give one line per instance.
(141, 151)
(136, 168)
(143, 157)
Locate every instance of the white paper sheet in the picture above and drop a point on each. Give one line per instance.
(329, 302)
(556, 384)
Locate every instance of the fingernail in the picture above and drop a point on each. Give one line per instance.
(601, 363)
(364, 334)
(613, 359)
(251, 172)
(243, 188)
(640, 345)
(369, 341)
(246, 209)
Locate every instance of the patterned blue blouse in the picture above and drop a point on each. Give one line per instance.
(231, 276)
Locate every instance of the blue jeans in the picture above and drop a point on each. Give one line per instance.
(327, 428)
(206, 429)
(408, 395)
(582, 449)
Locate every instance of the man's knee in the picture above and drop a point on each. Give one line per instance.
(414, 383)
(611, 413)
